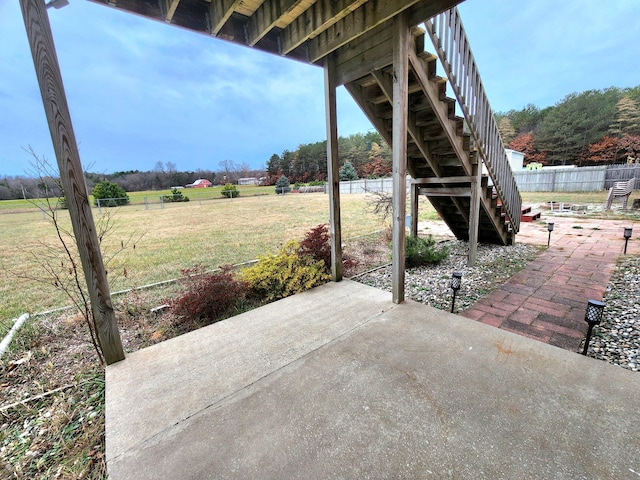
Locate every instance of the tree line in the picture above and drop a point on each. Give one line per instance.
(590, 128)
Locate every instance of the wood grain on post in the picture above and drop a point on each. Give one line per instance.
(399, 150)
(55, 105)
(333, 167)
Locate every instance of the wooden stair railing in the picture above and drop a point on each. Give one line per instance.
(453, 50)
(440, 157)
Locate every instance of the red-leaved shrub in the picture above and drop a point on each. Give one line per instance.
(207, 298)
(317, 244)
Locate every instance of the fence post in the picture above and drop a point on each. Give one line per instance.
(161, 202)
(99, 210)
(146, 203)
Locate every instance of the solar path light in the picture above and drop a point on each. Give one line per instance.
(550, 228)
(593, 316)
(627, 235)
(456, 280)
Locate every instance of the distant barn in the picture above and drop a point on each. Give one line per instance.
(200, 183)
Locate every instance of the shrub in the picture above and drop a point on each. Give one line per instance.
(420, 251)
(230, 191)
(176, 196)
(317, 245)
(109, 194)
(208, 297)
(285, 273)
(348, 172)
(282, 185)
(316, 183)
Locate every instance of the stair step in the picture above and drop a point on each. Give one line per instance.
(530, 217)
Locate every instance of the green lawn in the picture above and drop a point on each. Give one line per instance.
(208, 230)
(181, 235)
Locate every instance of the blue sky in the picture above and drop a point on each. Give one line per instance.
(142, 92)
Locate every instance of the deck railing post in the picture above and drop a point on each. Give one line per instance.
(56, 108)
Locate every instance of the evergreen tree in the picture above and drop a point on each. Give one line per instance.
(109, 194)
(273, 164)
(627, 120)
(507, 132)
(282, 185)
(348, 172)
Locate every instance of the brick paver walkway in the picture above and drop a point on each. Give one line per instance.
(547, 300)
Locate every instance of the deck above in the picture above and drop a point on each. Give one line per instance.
(339, 382)
(304, 30)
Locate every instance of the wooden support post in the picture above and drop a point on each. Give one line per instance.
(414, 210)
(45, 60)
(399, 150)
(474, 212)
(333, 166)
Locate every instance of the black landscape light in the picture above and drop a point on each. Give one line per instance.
(456, 280)
(550, 228)
(592, 317)
(627, 235)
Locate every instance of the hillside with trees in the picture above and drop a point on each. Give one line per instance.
(595, 127)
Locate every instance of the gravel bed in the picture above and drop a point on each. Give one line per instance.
(431, 284)
(617, 339)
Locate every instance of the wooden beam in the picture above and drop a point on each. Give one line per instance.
(369, 16)
(220, 12)
(54, 99)
(414, 210)
(266, 17)
(399, 151)
(386, 85)
(445, 192)
(347, 27)
(333, 167)
(444, 180)
(320, 16)
(474, 214)
(169, 9)
(430, 90)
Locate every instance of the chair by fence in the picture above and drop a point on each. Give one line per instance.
(621, 190)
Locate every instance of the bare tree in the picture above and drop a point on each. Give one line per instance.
(381, 204)
(62, 267)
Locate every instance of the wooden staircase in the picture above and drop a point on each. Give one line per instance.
(444, 150)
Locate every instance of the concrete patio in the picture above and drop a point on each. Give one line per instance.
(339, 382)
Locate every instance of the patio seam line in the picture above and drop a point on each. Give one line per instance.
(229, 396)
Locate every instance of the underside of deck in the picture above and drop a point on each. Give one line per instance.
(339, 382)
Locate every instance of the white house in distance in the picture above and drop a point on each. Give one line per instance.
(200, 183)
(516, 159)
(248, 181)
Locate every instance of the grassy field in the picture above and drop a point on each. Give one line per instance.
(181, 235)
(152, 197)
(205, 231)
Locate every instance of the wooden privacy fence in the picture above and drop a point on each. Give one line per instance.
(622, 173)
(584, 179)
(571, 179)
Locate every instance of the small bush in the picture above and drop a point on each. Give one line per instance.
(285, 273)
(230, 191)
(316, 183)
(208, 297)
(176, 196)
(317, 245)
(109, 194)
(420, 251)
(282, 185)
